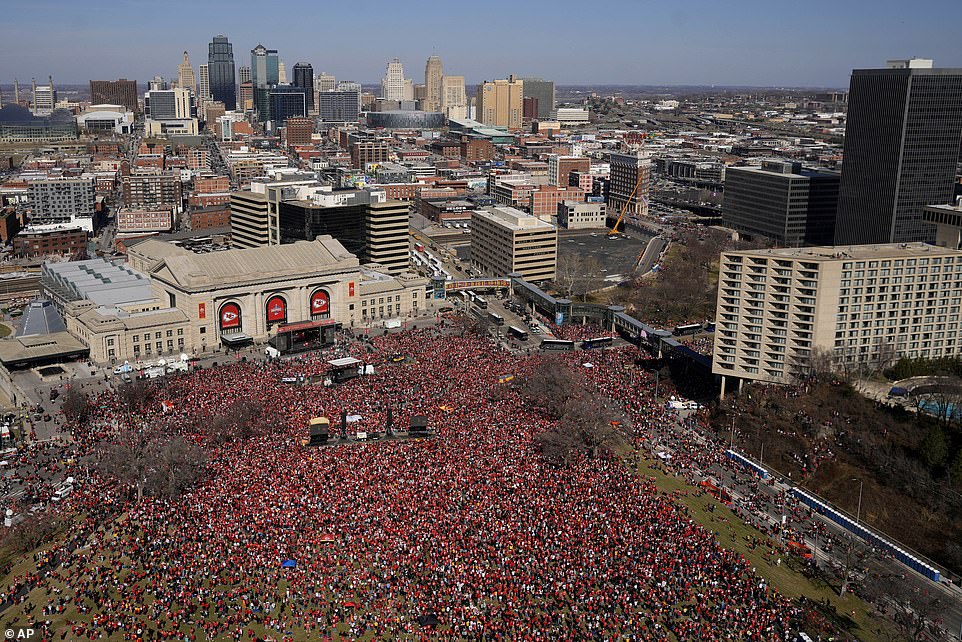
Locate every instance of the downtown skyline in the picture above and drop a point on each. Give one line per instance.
(749, 44)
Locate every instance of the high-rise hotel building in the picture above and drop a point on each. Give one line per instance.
(861, 304)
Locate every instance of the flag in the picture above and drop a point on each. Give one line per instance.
(289, 564)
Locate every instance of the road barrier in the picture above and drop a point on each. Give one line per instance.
(845, 522)
(748, 463)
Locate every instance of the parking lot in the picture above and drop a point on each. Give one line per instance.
(617, 256)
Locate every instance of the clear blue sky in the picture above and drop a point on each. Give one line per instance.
(722, 42)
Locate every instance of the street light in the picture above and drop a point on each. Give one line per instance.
(858, 511)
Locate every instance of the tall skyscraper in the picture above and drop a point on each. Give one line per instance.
(264, 74)
(433, 72)
(339, 106)
(304, 79)
(168, 104)
(325, 82)
(44, 98)
(454, 102)
(185, 75)
(245, 96)
(281, 72)
(393, 84)
(543, 91)
(286, 102)
(114, 92)
(902, 141)
(204, 82)
(500, 102)
(350, 85)
(220, 67)
(244, 74)
(782, 201)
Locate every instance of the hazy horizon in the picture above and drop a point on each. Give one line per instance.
(748, 44)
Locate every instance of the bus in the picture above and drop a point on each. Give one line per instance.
(599, 342)
(518, 333)
(691, 328)
(480, 302)
(496, 319)
(557, 344)
(468, 295)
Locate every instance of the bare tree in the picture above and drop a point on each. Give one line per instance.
(132, 395)
(914, 609)
(568, 268)
(551, 386)
(34, 531)
(820, 366)
(592, 422)
(849, 557)
(177, 465)
(148, 462)
(243, 419)
(76, 405)
(557, 446)
(586, 424)
(128, 460)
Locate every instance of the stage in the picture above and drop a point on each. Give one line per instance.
(306, 335)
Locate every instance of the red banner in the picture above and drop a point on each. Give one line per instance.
(320, 302)
(350, 288)
(201, 310)
(276, 309)
(230, 316)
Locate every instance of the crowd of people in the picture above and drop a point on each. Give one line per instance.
(467, 535)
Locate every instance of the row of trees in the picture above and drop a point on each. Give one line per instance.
(585, 424)
(686, 287)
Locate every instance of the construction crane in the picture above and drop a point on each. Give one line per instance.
(621, 216)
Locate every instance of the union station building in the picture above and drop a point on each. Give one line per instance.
(169, 300)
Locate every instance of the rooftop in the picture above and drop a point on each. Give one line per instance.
(100, 281)
(856, 252)
(251, 265)
(513, 219)
(41, 318)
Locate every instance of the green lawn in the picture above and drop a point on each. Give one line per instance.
(853, 613)
(5, 330)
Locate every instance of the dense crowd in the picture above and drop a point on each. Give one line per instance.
(469, 535)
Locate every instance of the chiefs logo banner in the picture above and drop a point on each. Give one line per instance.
(320, 302)
(230, 316)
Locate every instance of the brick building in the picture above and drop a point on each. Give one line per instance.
(144, 220)
(299, 130)
(369, 151)
(211, 217)
(197, 158)
(51, 241)
(151, 189)
(560, 168)
(477, 149)
(211, 184)
(446, 148)
(205, 200)
(544, 201)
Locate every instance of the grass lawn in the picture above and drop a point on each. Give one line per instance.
(853, 613)
(5, 330)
